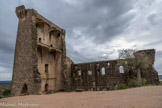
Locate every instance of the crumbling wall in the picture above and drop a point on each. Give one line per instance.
(26, 78)
(69, 62)
(50, 51)
(41, 65)
(103, 75)
(147, 70)
(40, 55)
(90, 76)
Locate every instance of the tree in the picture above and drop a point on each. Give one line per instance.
(136, 61)
(126, 53)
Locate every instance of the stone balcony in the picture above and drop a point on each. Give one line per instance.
(51, 48)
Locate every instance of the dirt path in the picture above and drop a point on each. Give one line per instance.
(144, 97)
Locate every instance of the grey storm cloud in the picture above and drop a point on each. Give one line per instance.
(90, 26)
(90, 14)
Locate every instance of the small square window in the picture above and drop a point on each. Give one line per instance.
(89, 72)
(79, 72)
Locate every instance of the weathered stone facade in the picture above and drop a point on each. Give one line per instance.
(40, 55)
(106, 75)
(41, 65)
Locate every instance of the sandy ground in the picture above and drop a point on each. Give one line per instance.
(144, 97)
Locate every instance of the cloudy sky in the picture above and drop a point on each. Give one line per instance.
(95, 29)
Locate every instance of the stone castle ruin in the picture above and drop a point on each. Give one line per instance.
(41, 65)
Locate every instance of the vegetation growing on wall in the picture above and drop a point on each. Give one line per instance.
(134, 61)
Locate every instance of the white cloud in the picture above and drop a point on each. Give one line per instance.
(95, 30)
(5, 73)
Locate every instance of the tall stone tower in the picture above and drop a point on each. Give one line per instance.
(40, 55)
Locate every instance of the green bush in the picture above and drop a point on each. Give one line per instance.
(133, 82)
(6, 92)
(122, 86)
(144, 81)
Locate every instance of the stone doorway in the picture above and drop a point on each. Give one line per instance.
(46, 88)
(24, 90)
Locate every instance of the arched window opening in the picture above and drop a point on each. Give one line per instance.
(79, 72)
(51, 45)
(40, 40)
(121, 69)
(103, 71)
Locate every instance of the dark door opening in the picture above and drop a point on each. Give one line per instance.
(46, 88)
(24, 90)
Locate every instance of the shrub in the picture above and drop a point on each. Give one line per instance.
(133, 82)
(122, 86)
(6, 92)
(144, 81)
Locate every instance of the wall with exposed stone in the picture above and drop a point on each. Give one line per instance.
(41, 65)
(40, 55)
(106, 75)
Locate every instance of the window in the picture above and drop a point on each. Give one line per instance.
(50, 36)
(126, 62)
(40, 40)
(108, 64)
(103, 71)
(79, 72)
(121, 69)
(89, 72)
(76, 67)
(98, 65)
(51, 45)
(46, 68)
(58, 35)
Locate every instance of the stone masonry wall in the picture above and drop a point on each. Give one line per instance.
(25, 73)
(103, 75)
(91, 76)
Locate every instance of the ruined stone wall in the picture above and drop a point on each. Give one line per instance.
(26, 78)
(103, 75)
(40, 55)
(147, 70)
(69, 62)
(51, 55)
(90, 76)
(41, 65)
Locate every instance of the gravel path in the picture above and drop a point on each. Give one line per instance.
(143, 97)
